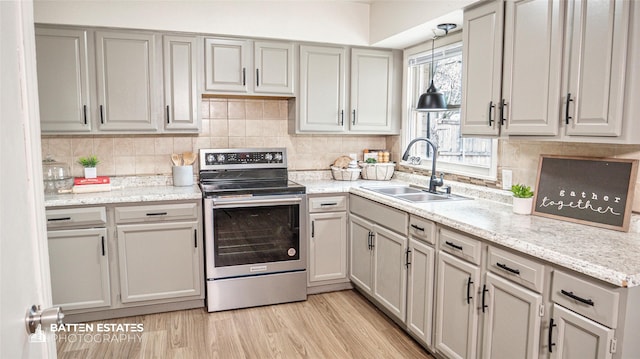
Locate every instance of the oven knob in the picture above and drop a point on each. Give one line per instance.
(278, 157)
(268, 157)
(220, 158)
(210, 158)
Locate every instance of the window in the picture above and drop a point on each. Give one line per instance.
(475, 157)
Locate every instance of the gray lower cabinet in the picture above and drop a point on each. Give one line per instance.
(159, 261)
(456, 324)
(159, 252)
(378, 254)
(79, 257)
(328, 240)
(579, 337)
(79, 264)
(511, 319)
(126, 259)
(420, 280)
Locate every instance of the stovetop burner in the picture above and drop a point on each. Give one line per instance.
(245, 171)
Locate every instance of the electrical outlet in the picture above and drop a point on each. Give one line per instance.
(507, 179)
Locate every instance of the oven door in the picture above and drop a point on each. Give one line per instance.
(255, 235)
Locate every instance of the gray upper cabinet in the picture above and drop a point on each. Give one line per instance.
(64, 79)
(563, 70)
(371, 90)
(322, 97)
(373, 103)
(482, 69)
(108, 82)
(180, 83)
(127, 81)
(226, 65)
(247, 67)
(274, 67)
(596, 66)
(532, 67)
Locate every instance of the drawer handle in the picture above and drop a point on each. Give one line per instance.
(329, 204)
(421, 229)
(157, 214)
(505, 267)
(579, 299)
(58, 219)
(452, 245)
(550, 337)
(469, 297)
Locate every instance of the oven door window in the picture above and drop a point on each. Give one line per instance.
(250, 235)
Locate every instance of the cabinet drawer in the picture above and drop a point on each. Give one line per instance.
(76, 217)
(158, 212)
(460, 245)
(391, 218)
(592, 300)
(521, 270)
(327, 204)
(422, 229)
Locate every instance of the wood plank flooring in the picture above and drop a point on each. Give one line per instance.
(330, 325)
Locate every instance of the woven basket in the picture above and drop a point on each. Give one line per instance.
(342, 174)
(377, 171)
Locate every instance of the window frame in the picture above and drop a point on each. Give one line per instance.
(408, 123)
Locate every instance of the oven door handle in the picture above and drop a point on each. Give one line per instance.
(252, 201)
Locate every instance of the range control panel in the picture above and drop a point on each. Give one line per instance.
(243, 158)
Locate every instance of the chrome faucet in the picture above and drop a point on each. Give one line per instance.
(434, 181)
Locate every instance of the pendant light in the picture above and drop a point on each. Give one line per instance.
(433, 100)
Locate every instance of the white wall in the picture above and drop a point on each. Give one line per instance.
(339, 22)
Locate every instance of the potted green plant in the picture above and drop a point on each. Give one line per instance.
(89, 163)
(522, 199)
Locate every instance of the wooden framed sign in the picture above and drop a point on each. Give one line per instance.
(593, 191)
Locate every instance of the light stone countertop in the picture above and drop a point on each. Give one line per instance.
(128, 190)
(605, 254)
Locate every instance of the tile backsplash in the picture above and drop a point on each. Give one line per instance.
(226, 123)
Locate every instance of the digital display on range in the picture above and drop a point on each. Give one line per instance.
(233, 158)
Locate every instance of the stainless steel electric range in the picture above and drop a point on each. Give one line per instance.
(254, 227)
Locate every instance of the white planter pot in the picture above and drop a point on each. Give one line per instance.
(90, 172)
(522, 205)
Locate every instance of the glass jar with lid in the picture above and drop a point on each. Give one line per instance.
(56, 176)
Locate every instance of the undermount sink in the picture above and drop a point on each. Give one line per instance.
(413, 194)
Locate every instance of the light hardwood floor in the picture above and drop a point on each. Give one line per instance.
(329, 325)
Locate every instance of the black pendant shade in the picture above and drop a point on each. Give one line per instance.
(432, 100)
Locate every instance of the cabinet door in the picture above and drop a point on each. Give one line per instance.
(274, 67)
(127, 81)
(322, 89)
(371, 90)
(596, 66)
(482, 69)
(328, 250)
(532, 66)
(180, 77)
(63, 80)
(578, 337)
(390, 271)
(227, 65)
(456, 302)
(79, 263)
(360, 251)
(511, 320)
(420, 291)
(159, 261)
